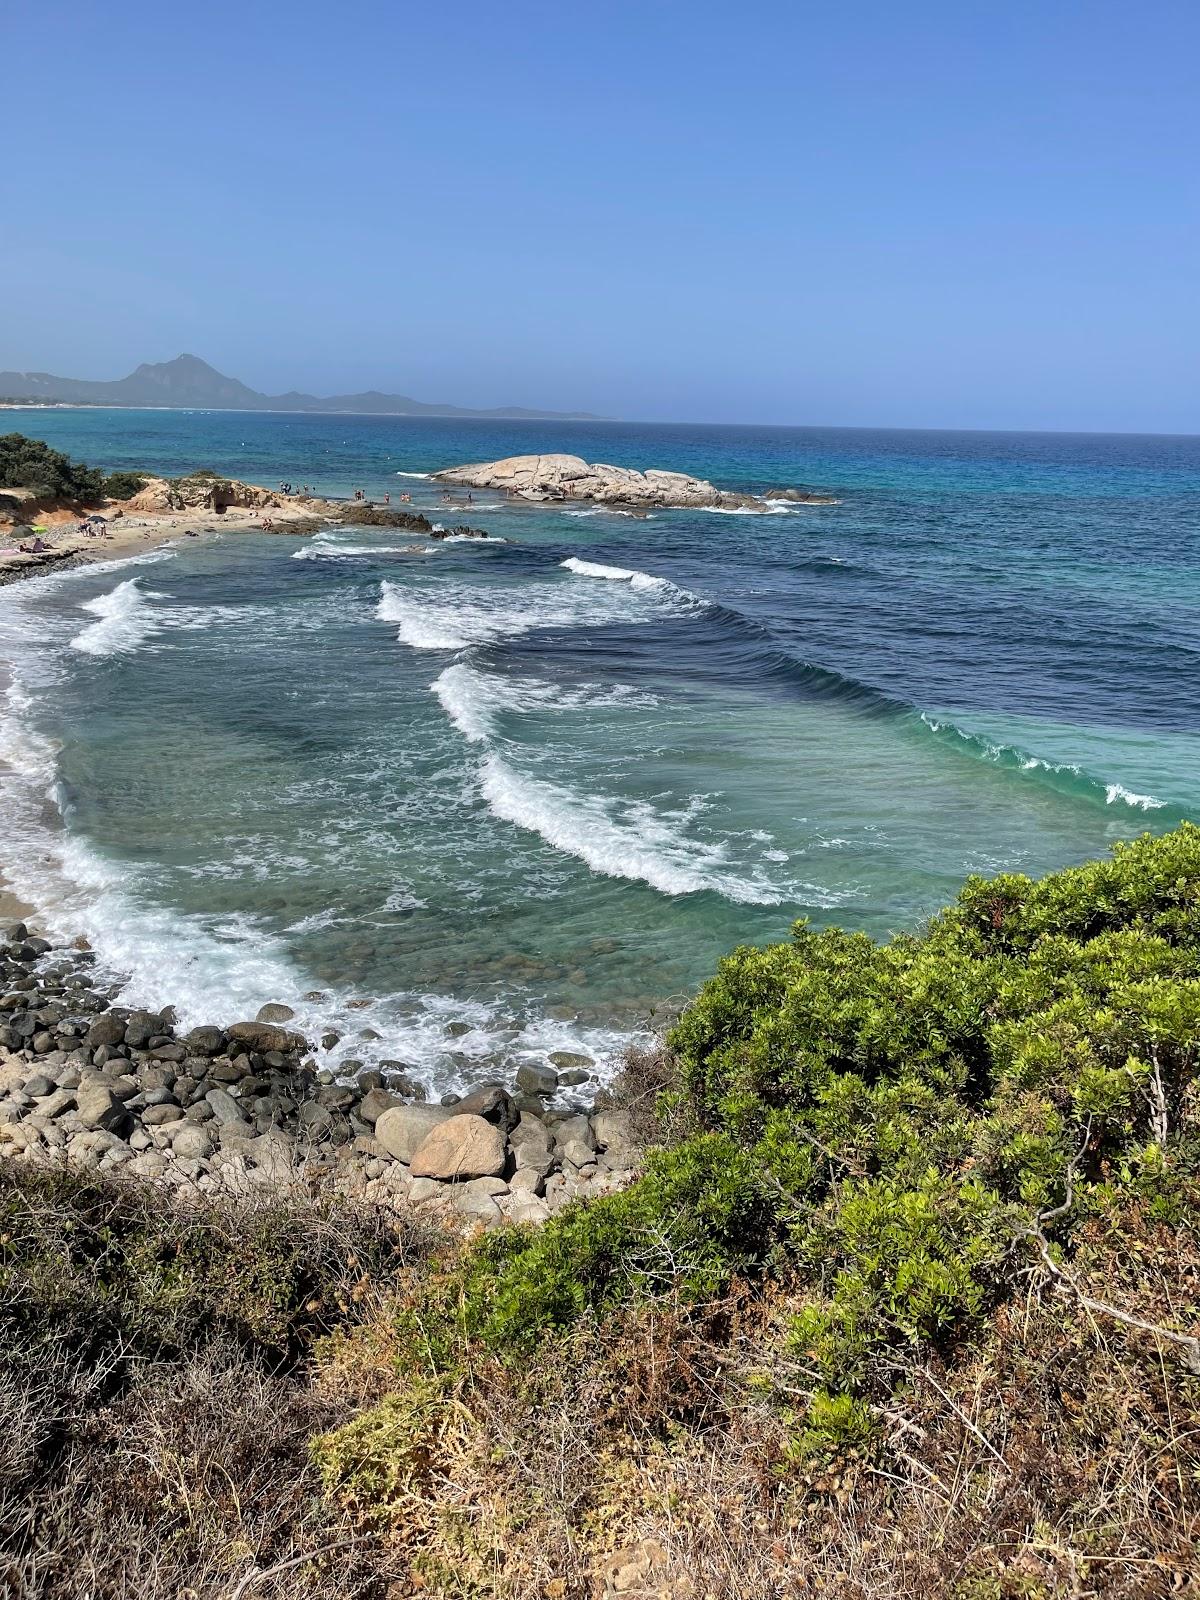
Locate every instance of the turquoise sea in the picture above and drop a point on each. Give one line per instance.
(537, 788)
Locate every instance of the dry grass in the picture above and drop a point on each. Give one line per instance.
(160, 1447)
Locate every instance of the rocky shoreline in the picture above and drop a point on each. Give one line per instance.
(86, 1082)
(166, 509)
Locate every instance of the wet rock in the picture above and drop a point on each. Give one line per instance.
(263, 1036)
(570, 1061)
(205, 1041)
(535, 1079)
(462, 1147)
(141, 1028)
(274, 1013)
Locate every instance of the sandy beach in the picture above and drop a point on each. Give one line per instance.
(132, 532)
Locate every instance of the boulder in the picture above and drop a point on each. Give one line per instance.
(402, 1128)
(97, 1107)
(224, 1107)
(141, 1027)
(191, 1142)
(478, 1198)
(492, 1103)
(569, 1060)
(375, 1102)
(574, 1130)
(107, 1031)
(264, 1036)
(274, 1013)
(461, 1147)
(614, 1134)
(535, 1079)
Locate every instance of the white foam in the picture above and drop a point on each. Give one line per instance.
(348, 552)
(126, 622)
(769, 508)
(457, 616)
(426, 625)
(473, 699)
(219, 969)
(1115, 792)
(610, 511)
(414, 474)
(618, 839)
(629, 575)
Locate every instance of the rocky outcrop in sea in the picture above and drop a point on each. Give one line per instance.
(89, 1083)
(566, 477)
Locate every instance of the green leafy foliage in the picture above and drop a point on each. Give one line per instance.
(124, 485)
(32, 464)
(883, 1124)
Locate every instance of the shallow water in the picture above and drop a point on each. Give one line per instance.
(539, 787)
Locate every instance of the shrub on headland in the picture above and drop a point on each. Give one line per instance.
(898, 1131)
(124, 485)
(51, 475)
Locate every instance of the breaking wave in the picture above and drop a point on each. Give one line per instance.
(620, 839)
(125, 622)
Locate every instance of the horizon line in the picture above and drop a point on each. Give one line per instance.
(585, 421)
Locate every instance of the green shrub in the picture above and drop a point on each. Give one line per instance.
(884, 1124)
(49, 474)
(124, 485)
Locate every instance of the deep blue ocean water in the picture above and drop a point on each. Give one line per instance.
(540, 787)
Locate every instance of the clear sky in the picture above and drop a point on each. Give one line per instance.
(942, 213)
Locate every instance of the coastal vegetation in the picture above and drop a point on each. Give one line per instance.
(48, 474)
(905, 1300)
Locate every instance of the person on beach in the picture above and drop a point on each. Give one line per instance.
(387, 497)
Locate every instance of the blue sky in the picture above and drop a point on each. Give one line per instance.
(933, 214)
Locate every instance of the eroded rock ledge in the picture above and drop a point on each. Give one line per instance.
(565, 477)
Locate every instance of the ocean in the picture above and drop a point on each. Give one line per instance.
(479, 803)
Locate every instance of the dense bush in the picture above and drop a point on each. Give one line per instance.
(894, 1131)
(123, 485)
(31, 464)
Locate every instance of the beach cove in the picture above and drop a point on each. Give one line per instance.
(499, 800)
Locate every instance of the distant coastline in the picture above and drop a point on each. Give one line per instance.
(189, 384)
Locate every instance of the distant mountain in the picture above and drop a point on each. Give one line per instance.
(191, 383)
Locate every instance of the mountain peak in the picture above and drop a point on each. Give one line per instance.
(191, 382)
